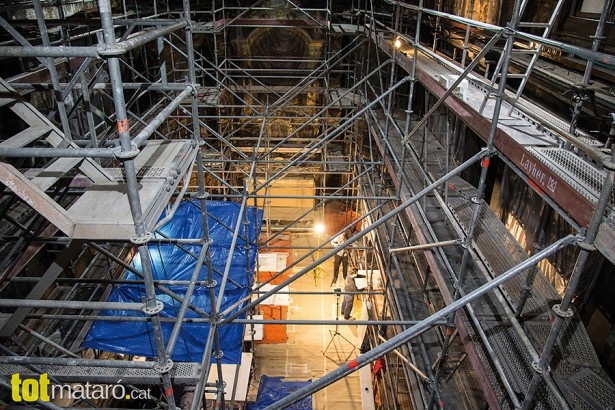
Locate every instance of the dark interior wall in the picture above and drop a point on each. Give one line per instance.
(571, 26)
(536, 11)
(578, 28)
(597, 310)
(484, 10)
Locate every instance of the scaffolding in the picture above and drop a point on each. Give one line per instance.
(132, 108)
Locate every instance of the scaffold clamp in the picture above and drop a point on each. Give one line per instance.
(214, 320)
(586, 246)
(120, 154)
(538, 368)
(163, 368)
(154, 309)
(141, 239)
(110, 51)
(562, 313)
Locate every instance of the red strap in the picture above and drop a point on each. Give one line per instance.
(122, 126)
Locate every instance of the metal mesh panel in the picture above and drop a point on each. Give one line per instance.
(590, 141)
(435, 158)
(593, 389)
(516, 360)
(511, 352)
(574, 346)
(144, 172)
(576, 343)
(182, 373)
(545, 288)
(489, 371)
(461, 187)
(579, 401)
(499, 251)
(579, 174)
(558, 122)
(543, 114)
(544, 399)
(538, 330)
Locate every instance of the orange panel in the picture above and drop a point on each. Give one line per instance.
(274, 333)
(265, 276)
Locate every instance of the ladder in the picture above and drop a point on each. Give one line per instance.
(521, 48)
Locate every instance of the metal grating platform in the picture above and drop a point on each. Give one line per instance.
(578, 173)
(459, 187)
(499, 251)
(182, 373)
(511, 352)
(558, 122)
(490, 372)
(591, 141)
(146, 172)
(577, 345)
(596, 392)
(516, 362)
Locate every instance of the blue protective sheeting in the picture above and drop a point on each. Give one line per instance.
(272, 389)
(172, 262)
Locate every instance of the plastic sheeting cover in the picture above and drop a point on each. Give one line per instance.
(177, 262)
(272, 389)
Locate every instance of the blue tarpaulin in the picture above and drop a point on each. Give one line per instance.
(272, 389)
(177, 262)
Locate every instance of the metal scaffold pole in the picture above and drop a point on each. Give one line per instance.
(563, 310)
(467, 241)
(472, 160)
(128, 152)
(416, 330)
(247, 116)
(597, 38)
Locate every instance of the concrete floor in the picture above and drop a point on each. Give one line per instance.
(302, 358)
